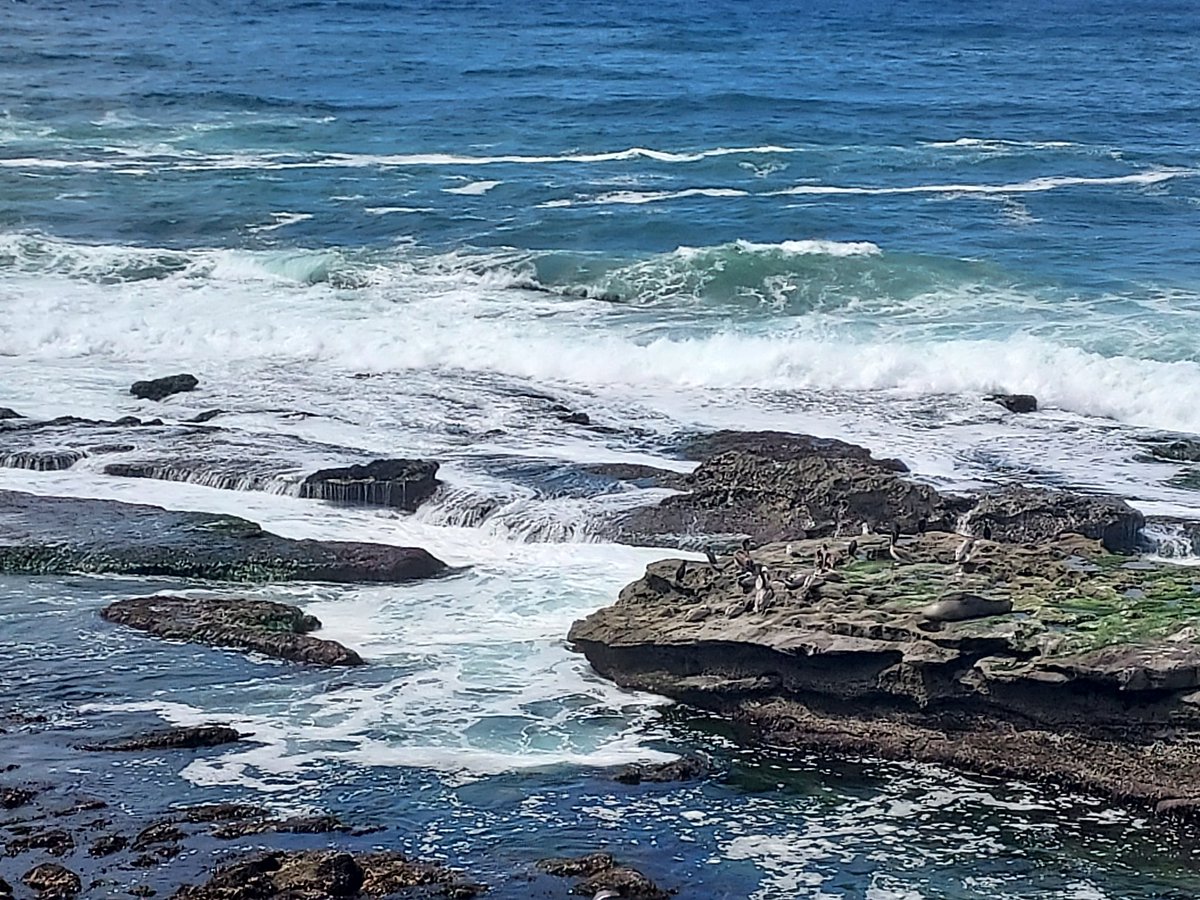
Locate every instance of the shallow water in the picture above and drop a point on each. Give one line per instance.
(842, 219)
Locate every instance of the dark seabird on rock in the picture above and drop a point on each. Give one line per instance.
(987, 531)
(895, 552)
(852, 550)
(681, 571)
(712, 558)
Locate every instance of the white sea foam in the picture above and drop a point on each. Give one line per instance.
(282, 220)
(473, 189)
(1033, 185)
(393, 210)
(165, 157)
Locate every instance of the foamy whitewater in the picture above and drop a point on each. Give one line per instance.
(408, 230)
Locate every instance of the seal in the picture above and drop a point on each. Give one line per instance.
(960, 607)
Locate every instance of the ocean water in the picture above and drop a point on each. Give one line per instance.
(387, 228)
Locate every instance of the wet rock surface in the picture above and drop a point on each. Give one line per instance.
(261, 626)
(330, 874)
(52, 881)
(598, 874)
(773, 486)
(1058, 660)
(161, 388)
(1032, 515)
(1174, 449)
(686, 768)
(399, 483)
(58, 535)
(182, 738)
(1017, 403)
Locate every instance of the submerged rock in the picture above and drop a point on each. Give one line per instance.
(188, 737)
(1178, 449)
(161, 388)
(1017, 403)
(61, 535)
(686, 768)
(400, 483)
(273, 629)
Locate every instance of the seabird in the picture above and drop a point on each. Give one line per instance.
(712, 558)
(852, 550)
(866, 527)
(895, 552)
(987, 531)
(963, 553)
(743, 560)
(823, 557)
(681, 571)
(764, 593)
(747, 580)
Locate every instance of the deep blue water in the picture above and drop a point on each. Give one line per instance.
(854, 218)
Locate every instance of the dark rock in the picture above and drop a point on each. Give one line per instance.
(686, 768)
(6, 413)
(261, 626)
(325, 824)
(1033, 515)
(52, 881)
(637, 475)
(11, 798)
(577, 866)
(1017, 403)
(55, 841)
(186, 738)
(1187, 808)
(160, 388)
(1182, 449)
(575, 418)
(221, 812)
(61, 535)
(107, 845)
(158, 833)
(207, 416)
(782, 446)
(42, 460)
(780, 491)
(627, 883)
(6, 891)
(400, 483)
(322, 875)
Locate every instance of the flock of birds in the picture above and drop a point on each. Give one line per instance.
(753, 576)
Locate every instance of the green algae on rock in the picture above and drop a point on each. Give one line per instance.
(62, 535)
(1080, 666)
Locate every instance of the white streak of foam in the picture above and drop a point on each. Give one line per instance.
(473, 189)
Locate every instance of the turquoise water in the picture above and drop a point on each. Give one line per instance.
(853, 219)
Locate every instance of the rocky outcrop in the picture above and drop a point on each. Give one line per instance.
(598, 874)
(260, 626)
(161, 388)
(1070, 663)
(773, 486)
(1017, 403)
(61, 535)
(400, 483)
(52, 881)
(686, 768)
(6, 413)
(182, 738)
(1032, 515)
(329, 874)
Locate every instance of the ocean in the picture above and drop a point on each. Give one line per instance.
(382, 227)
